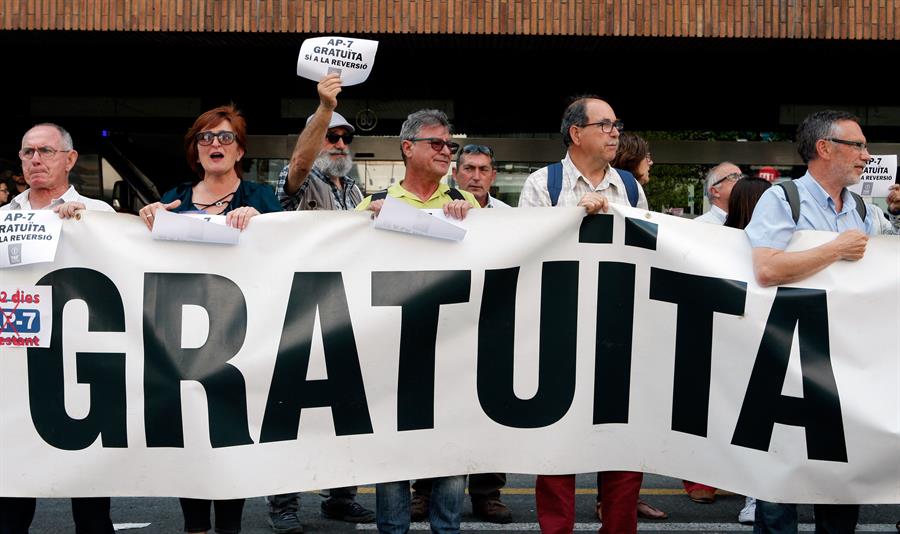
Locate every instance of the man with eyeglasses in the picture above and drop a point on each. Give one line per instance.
(48, 155)
(832, 145)
(317, 179)
(475, 172)
(427, 151)
(590, 133)
(720, 181)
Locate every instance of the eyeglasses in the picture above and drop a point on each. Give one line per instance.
(648, 158)
(333, 138)
(478, 149)
(45, 153)
(859, 145)
(735, 176)
(206, 138)
(606, 125)
(438, 144)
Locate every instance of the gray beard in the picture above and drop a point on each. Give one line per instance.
(333, 167)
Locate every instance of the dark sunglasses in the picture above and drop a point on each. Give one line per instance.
(438, 144)
(478, 149)
(206, 138)
(333, 138)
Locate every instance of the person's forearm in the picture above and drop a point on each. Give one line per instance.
(787, 267)
(306, 150)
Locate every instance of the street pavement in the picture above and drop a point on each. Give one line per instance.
(163, 515)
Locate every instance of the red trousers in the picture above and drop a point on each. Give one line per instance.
(691, 486)
(555, 497)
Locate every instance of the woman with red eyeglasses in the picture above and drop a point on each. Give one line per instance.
(215, 145)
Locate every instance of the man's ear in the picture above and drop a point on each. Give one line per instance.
(71, 158)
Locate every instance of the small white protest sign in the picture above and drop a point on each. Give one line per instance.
(877, 178)
(398, 216)
(352, 59)
(28, 236)
(26, 316)
(194, 227)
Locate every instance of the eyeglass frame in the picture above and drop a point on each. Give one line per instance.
(736, 176)
(347, 138)
(199, 136)
(440, 142)
(858, 145)
(42, 151)
(606, 125)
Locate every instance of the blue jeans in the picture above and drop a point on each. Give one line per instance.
(392, 511)
(775, 518)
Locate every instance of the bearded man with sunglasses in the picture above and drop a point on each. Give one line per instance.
(317, 177)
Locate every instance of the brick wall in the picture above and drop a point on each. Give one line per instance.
(819, 19)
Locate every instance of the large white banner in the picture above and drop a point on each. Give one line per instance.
(320, 352)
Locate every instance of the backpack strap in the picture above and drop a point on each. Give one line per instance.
(631, 186)
(860, 206)
(453, 192)
(793, 198)
(379, 195)
(554, 181)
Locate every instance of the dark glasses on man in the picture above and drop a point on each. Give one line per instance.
(478, 149)
(333, 138)
(438, 144)
(206, 138)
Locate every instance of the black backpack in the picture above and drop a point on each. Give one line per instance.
(793, 198)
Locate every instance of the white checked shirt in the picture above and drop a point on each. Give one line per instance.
(575, 186)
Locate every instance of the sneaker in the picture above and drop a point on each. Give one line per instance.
(491, 511)
(418, 507)
(285, 522)
(349, 511)
(748, 513)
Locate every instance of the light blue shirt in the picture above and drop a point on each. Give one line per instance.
(772, 225)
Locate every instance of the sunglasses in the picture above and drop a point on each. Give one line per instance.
(333, 138)
(438, 144)
(206, 138)
(478, 149)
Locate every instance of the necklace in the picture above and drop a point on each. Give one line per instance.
(217, 203)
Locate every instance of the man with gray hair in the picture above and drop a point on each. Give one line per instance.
(719, 182)
(834, 148)
(316, 179)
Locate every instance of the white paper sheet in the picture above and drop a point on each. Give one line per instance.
(28, 236)
(352, 58)
(194, 227)
(399, 216)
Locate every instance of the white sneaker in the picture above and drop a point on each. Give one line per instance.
(748, 512)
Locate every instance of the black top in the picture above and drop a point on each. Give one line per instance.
(255, 195)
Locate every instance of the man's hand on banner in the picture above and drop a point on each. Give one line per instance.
(67, 210)
(594, 203)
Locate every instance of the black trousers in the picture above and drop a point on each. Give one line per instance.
(91, 515)
(228, 515)
(482, 486)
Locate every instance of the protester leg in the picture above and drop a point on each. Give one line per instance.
(91, 515)
(836, 518)
(620, 490)
(285, 502)
(341, 505)
(418, 507)
(446, 503)
(16, 514)
(486, 485)
(196, 514)
(392, 507)
(554, 497)
(422, 486)
(775, 518)
(228, 515)
(283, 516)
(699, 493)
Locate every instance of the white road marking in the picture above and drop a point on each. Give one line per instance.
(649, 527)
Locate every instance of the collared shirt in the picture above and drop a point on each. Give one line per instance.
(496, 203)
(22, 201)
(715, 215)
(772, 224)
(440, 197)
(575, 186)
(345, 198)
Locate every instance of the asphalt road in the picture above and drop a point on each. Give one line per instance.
(163, 515)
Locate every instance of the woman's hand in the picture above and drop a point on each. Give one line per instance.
(239, 217)
(148, 212)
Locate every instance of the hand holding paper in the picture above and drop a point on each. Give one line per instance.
(351, 59)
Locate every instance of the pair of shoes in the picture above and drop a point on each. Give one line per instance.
(492, 511)
(285, 522)
(648, 511)
(747, 515)
(349, 511)
(702, 496)
(418, 507)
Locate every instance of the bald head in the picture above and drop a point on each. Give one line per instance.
(719, 181)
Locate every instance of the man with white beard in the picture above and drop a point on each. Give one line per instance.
(316, 178)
